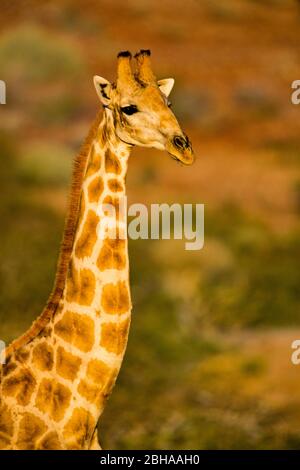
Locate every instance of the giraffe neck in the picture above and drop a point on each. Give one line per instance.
(94, 250)
(56, 381)
(92, 322)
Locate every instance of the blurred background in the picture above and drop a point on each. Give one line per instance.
(208, 362)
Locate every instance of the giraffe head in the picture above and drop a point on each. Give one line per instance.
(140, 108)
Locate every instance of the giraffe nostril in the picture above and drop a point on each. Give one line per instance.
(180, 142)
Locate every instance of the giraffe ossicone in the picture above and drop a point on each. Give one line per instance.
(59, 374)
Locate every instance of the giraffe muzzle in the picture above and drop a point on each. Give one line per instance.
(180, 148)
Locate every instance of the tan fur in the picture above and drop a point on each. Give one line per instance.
(42, 356)
(112, 164)
(81, 286)
(114, 336)
(31, 429)
(115, 185)
(112, 255)
(21, 386)
(49, 442)
(115, 298)
(77, 330)
(79, 429)
(88, 237)
(53, 398)
(67, 364)
(95, 189)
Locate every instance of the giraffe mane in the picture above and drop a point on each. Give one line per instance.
(79, 167)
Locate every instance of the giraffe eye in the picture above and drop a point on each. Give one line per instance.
(169, 104)
(131, 109)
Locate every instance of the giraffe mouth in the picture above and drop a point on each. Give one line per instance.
(182, 159)
(174, 157)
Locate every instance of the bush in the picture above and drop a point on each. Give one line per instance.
(45, 165)
(32, 55)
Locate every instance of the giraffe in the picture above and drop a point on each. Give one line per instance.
(58, 375)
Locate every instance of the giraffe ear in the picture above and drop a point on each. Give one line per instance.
(166, 85)
(103, 89)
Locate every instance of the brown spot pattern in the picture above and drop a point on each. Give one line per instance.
(8, 368)
(6, 427)
(112, 164)
(114, 202)
(79, 429)
(49, 442)
(22, 354)
(67, 364)
(94, 164)
(77, 329)
(21, 385)
(30, 430)
(115, 298)
(95, 189)
(42, 356)
(104, 134)
(89, 391)
(80, 286)
(102, 375)
(112, 254)
(53, 398)
(85, 243)
(98, 371)
(114, 336)
(115, 185)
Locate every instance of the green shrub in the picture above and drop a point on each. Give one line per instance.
(32, 55)
(45, 165)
